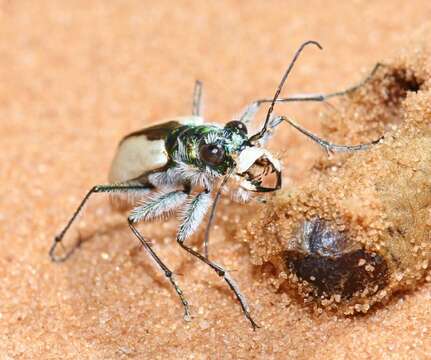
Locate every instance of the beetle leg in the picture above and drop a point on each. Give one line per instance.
(328, 146)
(252, 109)
(95, 189)
(193, 216)
(209, 223)
(165, 269)
(197, 99)
(212, 215)
(239, 195)
(161, 204)
(273, 123)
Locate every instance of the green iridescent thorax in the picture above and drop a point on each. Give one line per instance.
(186, 141)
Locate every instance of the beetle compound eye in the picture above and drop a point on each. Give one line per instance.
(212, 154)
(237, 125)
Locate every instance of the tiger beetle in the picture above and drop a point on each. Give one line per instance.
(185, 164)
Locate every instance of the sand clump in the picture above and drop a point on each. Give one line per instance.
(359, 229)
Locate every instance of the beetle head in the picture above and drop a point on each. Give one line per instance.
(229, 150)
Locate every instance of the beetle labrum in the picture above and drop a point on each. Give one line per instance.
(185, 163)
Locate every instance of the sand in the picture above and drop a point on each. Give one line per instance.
(358, 230)
(76, 77)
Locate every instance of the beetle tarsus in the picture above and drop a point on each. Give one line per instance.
(163, 267)
(95, 189)
(226, 276)
(67, 254)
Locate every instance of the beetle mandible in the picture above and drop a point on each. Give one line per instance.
(184, 164)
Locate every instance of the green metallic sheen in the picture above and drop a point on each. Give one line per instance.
(192, 136)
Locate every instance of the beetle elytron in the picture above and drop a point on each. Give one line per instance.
(182, 163)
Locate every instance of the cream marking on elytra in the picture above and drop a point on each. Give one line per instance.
(185, 165)
(136, 155)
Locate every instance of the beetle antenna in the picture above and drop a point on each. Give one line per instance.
(264, 129)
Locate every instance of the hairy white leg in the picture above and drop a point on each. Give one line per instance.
(193, 214)
(162, 203)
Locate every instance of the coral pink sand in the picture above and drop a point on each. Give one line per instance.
(75, 77)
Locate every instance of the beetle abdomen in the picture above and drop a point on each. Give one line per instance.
(143, 151)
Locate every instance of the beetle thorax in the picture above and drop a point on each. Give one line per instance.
(201, 154)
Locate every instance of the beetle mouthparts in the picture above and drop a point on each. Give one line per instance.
(251, 155)
(257, 166)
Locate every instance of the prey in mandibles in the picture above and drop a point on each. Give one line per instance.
(185, 164)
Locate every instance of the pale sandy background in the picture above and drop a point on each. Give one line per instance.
(77, 75)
